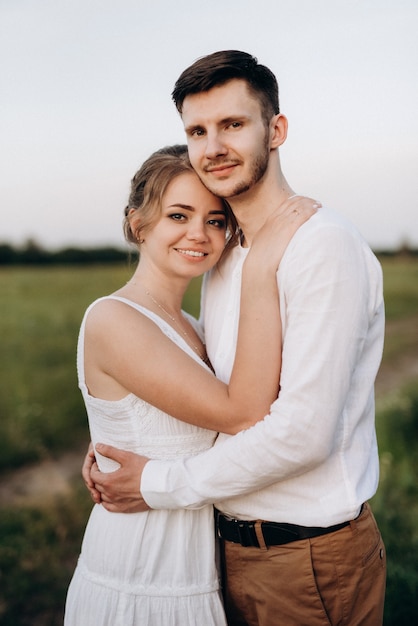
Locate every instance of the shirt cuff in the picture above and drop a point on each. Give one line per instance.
(165, 485)
(153, 484)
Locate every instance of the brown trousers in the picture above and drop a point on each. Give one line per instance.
(333, 580)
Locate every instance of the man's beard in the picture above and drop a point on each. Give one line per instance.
(258, 169)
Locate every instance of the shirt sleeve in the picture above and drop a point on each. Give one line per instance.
(330, 286)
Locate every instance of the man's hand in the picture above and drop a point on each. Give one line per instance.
(89, 462)
(119, 491)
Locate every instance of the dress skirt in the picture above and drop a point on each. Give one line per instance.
(146, 569)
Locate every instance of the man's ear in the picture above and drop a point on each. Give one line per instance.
(278, 130)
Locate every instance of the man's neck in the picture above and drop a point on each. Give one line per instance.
(253, 207)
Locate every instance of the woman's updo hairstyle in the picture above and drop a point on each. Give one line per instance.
(148, 187)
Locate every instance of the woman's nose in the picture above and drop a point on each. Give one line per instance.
(197, 231)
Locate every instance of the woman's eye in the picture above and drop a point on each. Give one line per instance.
(177, 217)
(218, 223)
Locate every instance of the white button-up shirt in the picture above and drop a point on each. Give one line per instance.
(313, 460)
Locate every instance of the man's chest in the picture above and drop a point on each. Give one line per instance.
(221, 318)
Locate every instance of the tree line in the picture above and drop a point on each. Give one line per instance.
(32, 253)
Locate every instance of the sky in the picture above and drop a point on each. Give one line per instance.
(85, 97)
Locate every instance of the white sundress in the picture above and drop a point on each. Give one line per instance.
(145, 569)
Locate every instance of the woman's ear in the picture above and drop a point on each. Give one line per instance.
(278, 130)
(135, 224)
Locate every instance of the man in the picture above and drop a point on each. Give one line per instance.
(300, 544)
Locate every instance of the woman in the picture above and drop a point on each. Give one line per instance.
(149, 388)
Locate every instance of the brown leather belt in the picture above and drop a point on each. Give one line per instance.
(275, 534)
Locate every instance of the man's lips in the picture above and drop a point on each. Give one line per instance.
(223, 168)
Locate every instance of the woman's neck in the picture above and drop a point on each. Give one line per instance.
(145, 287)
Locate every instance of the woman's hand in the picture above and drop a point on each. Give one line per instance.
(271, 241)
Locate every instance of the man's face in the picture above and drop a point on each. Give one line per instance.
(227, 138)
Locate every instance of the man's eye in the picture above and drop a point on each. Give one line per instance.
(235, 125)
(197, 132)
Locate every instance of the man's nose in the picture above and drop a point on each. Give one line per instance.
(214, 146)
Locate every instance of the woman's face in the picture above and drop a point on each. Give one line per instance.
(189, 237)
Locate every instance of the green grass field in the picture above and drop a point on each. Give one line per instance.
(401, 287)
(41, 311)
(42, 415)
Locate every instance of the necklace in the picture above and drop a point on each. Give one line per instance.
(183, 332)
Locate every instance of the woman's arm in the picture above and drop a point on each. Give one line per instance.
(256, 372)
(129, 348)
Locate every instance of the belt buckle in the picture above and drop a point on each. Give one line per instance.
(246, 534)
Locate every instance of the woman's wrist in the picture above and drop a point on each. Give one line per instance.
(260, 266)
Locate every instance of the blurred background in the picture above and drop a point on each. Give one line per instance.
(85, 98)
